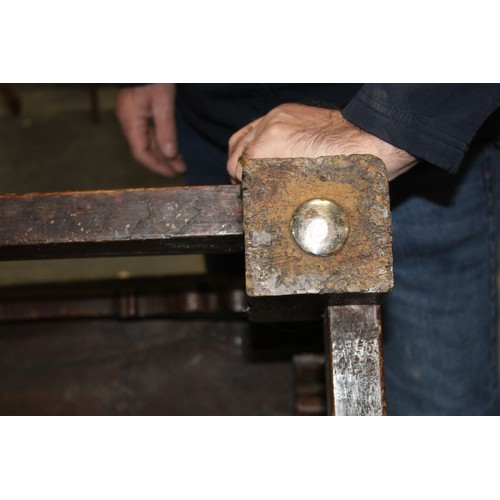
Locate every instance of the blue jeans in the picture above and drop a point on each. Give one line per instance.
(440, 324)
(440, 321)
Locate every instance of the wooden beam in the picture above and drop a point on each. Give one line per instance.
(354, 357)
(206, 219)
(204, 296)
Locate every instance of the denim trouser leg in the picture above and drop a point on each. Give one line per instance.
(440, 322)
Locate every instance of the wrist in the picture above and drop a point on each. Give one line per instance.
(396, 160)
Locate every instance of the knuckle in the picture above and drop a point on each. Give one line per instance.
(232, 141)
(277, 127)
(285, 106)
(282, 110)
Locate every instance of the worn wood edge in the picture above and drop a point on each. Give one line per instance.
(229, 188)
(332, 337)
(374, 162)
(170, 221)
(145, 247)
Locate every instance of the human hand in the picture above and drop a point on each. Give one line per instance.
(296, 130)
(147, 116)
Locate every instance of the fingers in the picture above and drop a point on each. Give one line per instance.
(238, 148)
(260, 139)
(138, 136)
(137, 110)
(163, 110)
(137, 131)
(175, 165)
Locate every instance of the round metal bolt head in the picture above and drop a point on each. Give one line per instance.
(319, 227)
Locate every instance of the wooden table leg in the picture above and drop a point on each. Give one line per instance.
(355, 380)
(11, 99)
(95, 111)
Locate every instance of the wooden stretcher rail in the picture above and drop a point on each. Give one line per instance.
(187, 297)
(206, 219)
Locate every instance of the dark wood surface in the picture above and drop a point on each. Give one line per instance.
(205, 219)
(309, 384)
(353, 340)
(170, 346)
(207, 296)
(142, 367)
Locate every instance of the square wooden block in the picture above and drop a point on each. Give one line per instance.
(273, 189)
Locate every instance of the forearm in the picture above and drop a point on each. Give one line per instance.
(434, 122)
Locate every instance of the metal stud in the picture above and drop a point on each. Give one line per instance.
(319, 227)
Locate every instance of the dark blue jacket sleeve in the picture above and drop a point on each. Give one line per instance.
(434, 122)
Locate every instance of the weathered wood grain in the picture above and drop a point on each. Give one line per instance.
(355, 367)
(205, 219)
(273, 189)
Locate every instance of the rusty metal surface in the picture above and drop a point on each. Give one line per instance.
(205, 219)
(355, 368)
(277, 266)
